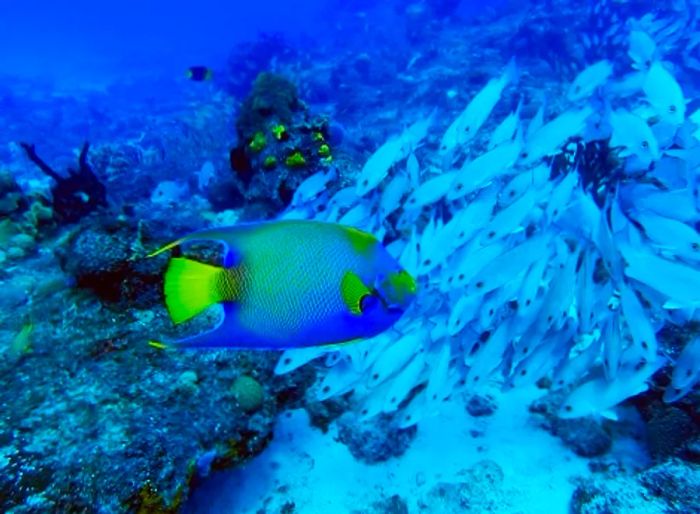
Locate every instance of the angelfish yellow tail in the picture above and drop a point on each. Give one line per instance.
(191, 287)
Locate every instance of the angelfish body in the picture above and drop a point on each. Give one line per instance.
(288, 284)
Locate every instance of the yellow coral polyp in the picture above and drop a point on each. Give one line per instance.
(295, 160)
(324, 150)
(258, 142)
(270, 162)
(279, 131)
(317, 136)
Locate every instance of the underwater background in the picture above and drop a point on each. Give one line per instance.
(530, 167)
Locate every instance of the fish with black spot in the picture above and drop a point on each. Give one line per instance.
(199, 73)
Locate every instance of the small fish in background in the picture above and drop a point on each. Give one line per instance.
(589, 80)
(288, 284)
(569, 371)
(391, 197)
(378, 166)
(549, 138)
(22, 342)
(664, 94)
(170, 193)
(430, 191)
(483, 103)
(467, 124)
(678, 282)
(476, 173)
(507, 129)
(686, 373)
(599, 396)
(537, 121)
(205, 176)
(642, 50)
(670, 235)
(312, 187)
(199, 73)
(633, 135)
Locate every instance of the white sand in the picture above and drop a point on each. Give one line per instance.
(319, 475)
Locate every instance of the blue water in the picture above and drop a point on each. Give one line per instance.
(83, 43)
(531, 169)
(87, 42)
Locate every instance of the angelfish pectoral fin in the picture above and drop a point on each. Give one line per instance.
(352, 290)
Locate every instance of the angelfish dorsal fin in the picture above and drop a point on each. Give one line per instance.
(361, 241)
(352, 289)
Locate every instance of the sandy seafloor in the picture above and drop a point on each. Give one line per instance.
(317, 474)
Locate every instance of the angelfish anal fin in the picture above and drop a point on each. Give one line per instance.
(226, 334)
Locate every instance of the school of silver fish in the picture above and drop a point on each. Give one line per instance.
(508, 289)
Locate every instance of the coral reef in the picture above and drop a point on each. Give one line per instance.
(480, 489)
(78, 378)
(324, 413)
(96, 401)
(12, 200)
(108, 259)
(392, 505)
(598, 165)
(670, 432)
(668, 487)
(248, 393)
(280, 142)
(478, 406)
(76, 195)
(26, 219)
(586, 437)
(375, 442)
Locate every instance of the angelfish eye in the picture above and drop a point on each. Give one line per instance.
(645, 144)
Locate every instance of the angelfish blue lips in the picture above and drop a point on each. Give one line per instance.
(389, 307)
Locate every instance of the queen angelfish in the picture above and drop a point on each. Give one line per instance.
(288, 284)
